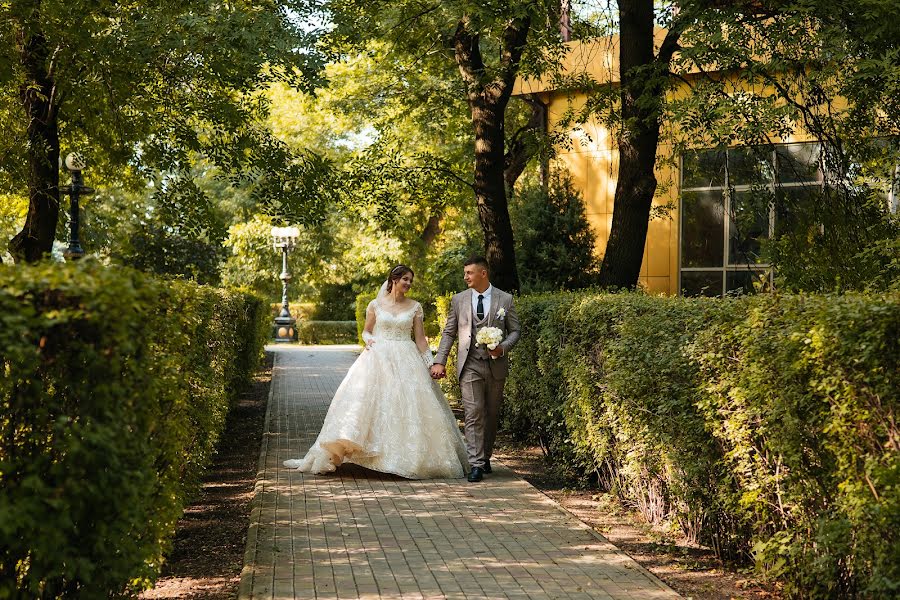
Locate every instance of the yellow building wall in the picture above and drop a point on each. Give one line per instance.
(591, 159)
(592, 162)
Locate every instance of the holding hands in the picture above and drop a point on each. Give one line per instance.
(438, 371)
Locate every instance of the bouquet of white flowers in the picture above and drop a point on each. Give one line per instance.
(489, 336)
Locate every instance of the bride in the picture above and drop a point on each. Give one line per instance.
(388, 414)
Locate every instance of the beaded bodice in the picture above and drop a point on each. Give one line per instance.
(394, 326)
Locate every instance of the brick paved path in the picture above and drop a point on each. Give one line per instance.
(360, 534)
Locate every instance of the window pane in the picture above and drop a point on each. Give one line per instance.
(798, 163)
(703, 168)
(701, 283)
(746, 281)
(750, 166)
(796, 209)
(748, 225)
(702, 229)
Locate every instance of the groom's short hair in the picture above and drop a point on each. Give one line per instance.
(477, 260)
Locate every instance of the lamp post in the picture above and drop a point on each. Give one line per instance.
(75, 164)
(285, 238)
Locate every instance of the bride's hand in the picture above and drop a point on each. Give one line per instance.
(369, 344)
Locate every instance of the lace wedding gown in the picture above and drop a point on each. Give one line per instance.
(388, 414)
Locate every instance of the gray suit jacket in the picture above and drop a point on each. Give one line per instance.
(459, 326)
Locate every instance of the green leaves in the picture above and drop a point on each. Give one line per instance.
(115, 387)
(157, 90)
(764, 426)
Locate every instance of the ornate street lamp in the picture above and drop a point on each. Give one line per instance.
(285, 329)
(75, 164)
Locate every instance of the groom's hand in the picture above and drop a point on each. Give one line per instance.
(438, 371)
(497, 352)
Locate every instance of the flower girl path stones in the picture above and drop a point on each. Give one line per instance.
(360, 534)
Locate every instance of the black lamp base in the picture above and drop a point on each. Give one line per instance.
(285, 329)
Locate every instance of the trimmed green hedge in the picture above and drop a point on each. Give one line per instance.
(115, 388)
(327, 332)
(764, 426)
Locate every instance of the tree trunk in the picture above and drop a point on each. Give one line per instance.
(643, 81)
(488, 96)
(490, 194)
(432, 228)
(38, 96)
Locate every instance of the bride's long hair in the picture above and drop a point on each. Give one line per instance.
(396, 273)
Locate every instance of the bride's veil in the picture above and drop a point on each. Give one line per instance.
(382, 293)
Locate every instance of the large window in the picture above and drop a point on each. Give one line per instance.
(728, 212)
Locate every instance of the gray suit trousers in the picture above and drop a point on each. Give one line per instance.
(482, 396)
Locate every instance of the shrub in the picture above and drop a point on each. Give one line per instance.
(327, 332)
(335, 302)
(762, 426)
(554, 241)
(115, 389)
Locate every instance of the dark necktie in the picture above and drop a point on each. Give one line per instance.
(479, 310)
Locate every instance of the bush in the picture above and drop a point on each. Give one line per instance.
(554, 241)
(115, 389)
(762, 426)
(327, 332)
(335, 302)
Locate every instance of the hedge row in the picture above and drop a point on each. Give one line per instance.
(327, 332)
(764, 427)
(115, 388)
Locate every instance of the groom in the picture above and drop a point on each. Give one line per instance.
(481, 372)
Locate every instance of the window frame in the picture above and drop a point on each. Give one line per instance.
(728, 192)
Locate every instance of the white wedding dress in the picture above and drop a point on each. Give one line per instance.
(388, 414)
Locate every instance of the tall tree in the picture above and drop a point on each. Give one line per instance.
(488, 41)
(779, 66)
(140, 87)
(644, 80)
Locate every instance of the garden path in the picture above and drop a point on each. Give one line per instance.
(361, 534)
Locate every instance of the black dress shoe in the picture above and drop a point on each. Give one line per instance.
(476, 474)
(487, 467)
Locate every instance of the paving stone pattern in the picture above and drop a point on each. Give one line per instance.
(361, 534)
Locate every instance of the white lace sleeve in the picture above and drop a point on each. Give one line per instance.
(428, 358)
(370, 316)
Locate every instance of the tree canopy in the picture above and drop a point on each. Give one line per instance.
(144, 89)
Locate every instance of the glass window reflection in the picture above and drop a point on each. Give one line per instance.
(701, 283)
(703, 229)
(748, 225)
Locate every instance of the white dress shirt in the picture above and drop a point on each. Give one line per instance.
(486, 303)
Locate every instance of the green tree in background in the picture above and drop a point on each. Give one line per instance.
(832, 70)
(489, 45)
(149, 88)
(554, 241)
(760, 71)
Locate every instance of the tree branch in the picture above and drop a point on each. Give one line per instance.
(446, 171)
(514, 37)
(670, 44)
(468, 57)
